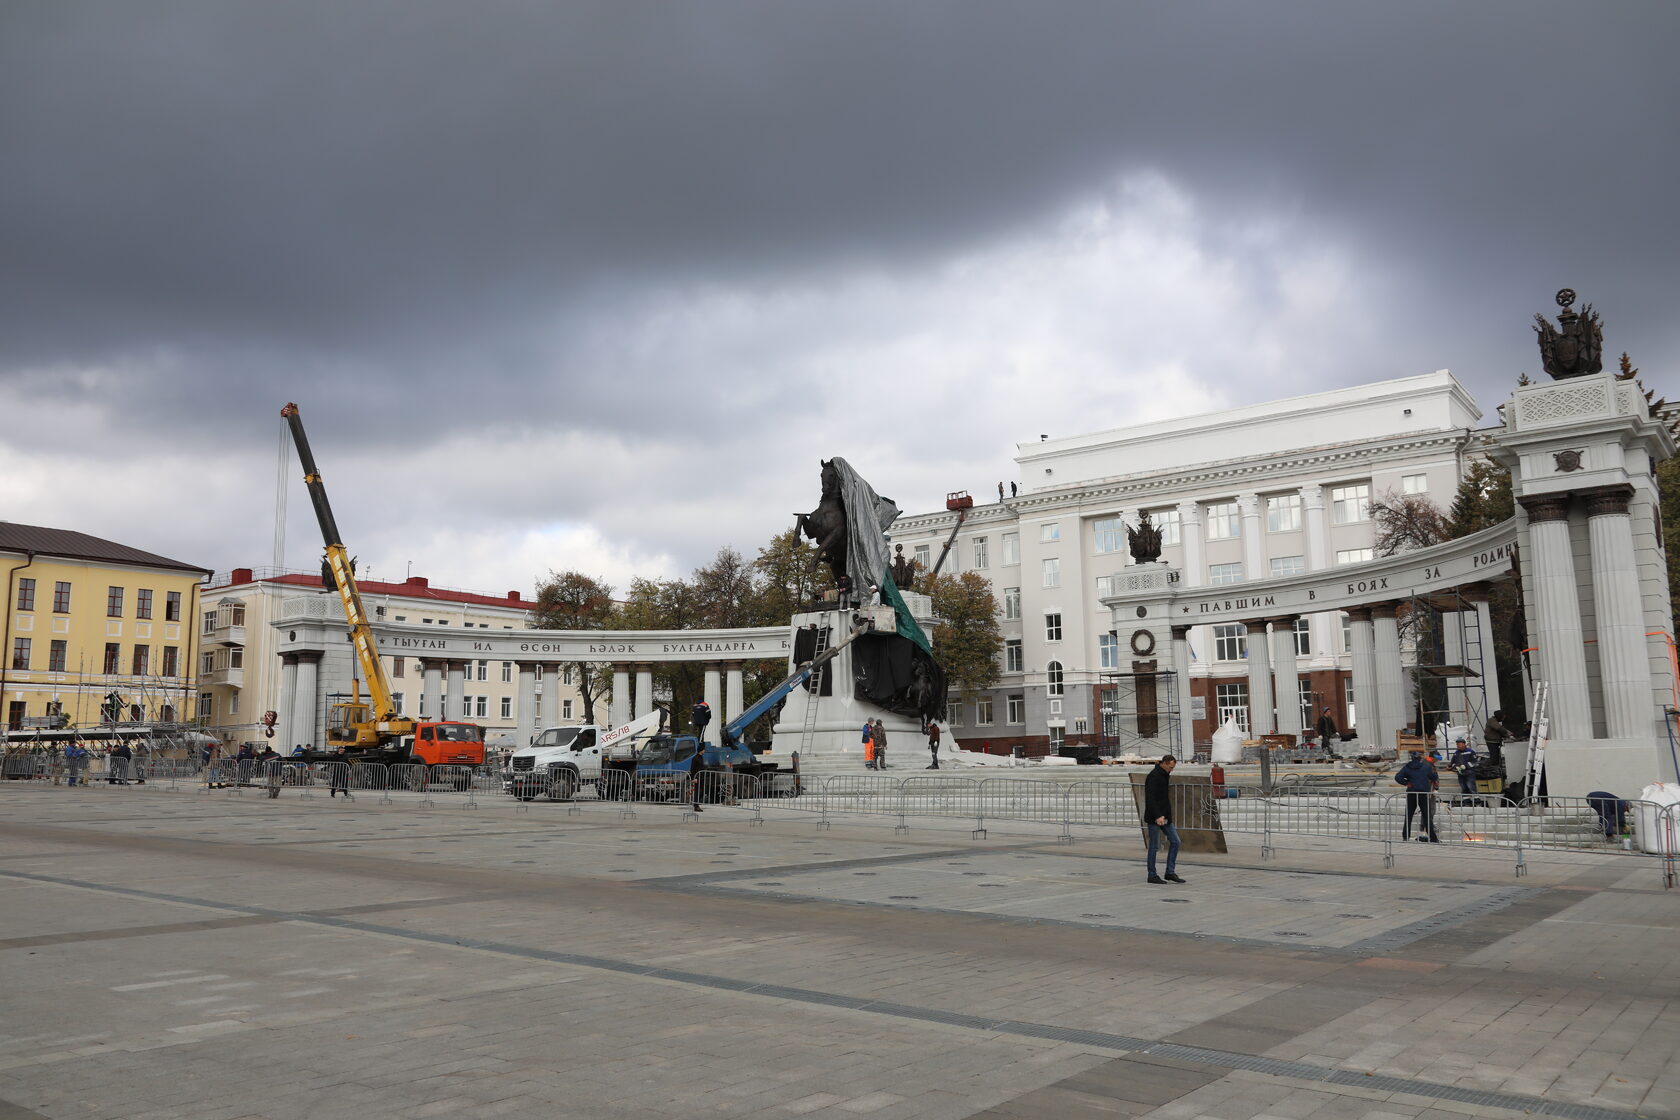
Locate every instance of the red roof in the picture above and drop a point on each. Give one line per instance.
(415, 587)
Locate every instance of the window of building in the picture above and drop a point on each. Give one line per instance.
(1283, 513)
(397, 667)
(1349, 504)
(1303, 699)
(1109, 534)
(1347, 699)
(922, 557)
(426, 621)
(402, 618)
(398, 703)
(507, 707)
(61, 597)
(1049, 532)
(1230, 642)
(1414, 484)
(1058, 738)
(1231, 699)
(113, 602)
(1108, 651)
(1012, 659)
(142, 660)
(980, 560)
(172, 606)
(1303, 637)
(1017, 712)
(207, 705)
(1223, 521)
(26, 594)
(208, 623)
(566, 675)
(954, 710)
(1011, 549)
(57, 655)
(1225, 573)
(1167, 521)
(379, 614)
(1053, 627)
(1011, 602)
(206, 662)
(113, 659)
(1354, 555)
(20, 653)
(1052, 571)
(143, 603)
(1105, 589)
(983, 711)
(565, 709)
(236, 657)
(1053, 679)
(539, 671)
(507, 672)
(171, 661)
(482, 708)
(1347, 633)
(1288, 566)
(483, 671)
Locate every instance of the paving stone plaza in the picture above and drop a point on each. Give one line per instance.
(223, 955)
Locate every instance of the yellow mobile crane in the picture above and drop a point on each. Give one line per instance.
(373, 730)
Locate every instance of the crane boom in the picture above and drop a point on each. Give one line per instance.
(338, 561)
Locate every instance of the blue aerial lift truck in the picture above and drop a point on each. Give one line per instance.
(663, 765)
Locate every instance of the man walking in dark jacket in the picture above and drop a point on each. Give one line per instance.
(1157, 813)
(1421, 781)
(696, 772)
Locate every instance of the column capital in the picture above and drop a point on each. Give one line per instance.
(527, 668)
(1359, 614)
(1181, 633)
(734, 666)
(1545, 507)
(1477, 592)
(1284, 620)
(288, 659)
(1312, 495)
(307, 656)
(1189, 511)
(1604, 500)
(1385, 610)
(1248, 504)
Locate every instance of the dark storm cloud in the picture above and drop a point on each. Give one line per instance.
(437, 214)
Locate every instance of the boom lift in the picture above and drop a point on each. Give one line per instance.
(961, 502)
(373, 730)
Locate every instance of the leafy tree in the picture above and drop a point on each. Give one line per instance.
(1483, 499)
(966, 638)
(572, 600)
(786, 582)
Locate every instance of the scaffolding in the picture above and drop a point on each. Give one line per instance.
(1452, 658)
(1139, 715)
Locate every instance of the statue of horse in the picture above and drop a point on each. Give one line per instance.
(826, 525)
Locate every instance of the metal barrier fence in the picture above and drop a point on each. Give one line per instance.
(1303, 810)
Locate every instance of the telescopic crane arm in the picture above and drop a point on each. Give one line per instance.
(338, 561)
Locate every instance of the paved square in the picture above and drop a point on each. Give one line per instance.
(185, 954)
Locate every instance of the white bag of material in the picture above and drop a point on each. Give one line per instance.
(1650, 818)
(1228, 743)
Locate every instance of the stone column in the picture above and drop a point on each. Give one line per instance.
(288, 701)
(431, 689)
(306, 712)
(1623, 657)
(1260, 720)
(1253, 537)
(1556, 611)
(644, 690)
(713, 692)
(456, 689)
(1195, 570)
(620, 711)
(1391, 684)
(1288, 679)
(1181, 681)
(733, 696)
(1367, 707)
(1324, 637)
(526, 706)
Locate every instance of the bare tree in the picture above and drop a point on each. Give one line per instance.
(1405, 522)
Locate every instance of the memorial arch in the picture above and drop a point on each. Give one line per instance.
(1586, 544)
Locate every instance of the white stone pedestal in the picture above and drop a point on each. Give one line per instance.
(837, 736)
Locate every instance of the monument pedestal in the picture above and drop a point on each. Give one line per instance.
(835, 721)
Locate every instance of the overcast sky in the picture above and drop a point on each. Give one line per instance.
(595, 285)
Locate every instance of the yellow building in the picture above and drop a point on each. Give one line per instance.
(88, 619)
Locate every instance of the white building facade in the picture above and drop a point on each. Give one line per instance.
(1245, 494)
(241, 666)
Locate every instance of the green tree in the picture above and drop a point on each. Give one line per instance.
(573, 600)
(967, 640)
(1483, 499)
(787, 583)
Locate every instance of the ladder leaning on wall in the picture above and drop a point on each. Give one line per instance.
(1536, 767)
